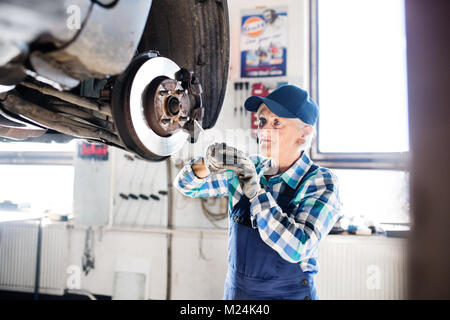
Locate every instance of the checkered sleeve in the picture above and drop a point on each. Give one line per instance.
(295, 235)
(214, 185)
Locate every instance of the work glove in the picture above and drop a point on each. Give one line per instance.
(220, 157)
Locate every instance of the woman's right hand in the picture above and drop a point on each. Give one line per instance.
(200, 169)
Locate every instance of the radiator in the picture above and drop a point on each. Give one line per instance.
(18, 247)
(362, 267)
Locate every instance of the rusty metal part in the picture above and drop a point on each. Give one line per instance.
(76, 111)
(20, 134)
(16, 129)
(174, 104)
(194, 93)
(17, 105)
(69, 97)
(5, 122)
(150, 107)
(167, 106)
(120, 107)
(16, 121)
(155, 105)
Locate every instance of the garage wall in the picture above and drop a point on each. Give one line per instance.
(122, 252)
(199, 256)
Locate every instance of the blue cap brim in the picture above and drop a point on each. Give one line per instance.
(252, 104)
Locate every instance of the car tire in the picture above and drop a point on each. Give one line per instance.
(195, 35)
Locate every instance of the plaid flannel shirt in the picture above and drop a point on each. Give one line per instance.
(295, 235)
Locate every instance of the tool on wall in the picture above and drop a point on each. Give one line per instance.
(241, 93)
(140, 195)
(258, 89)
(236, 98)
(241, 102)
(246, 96)
(133, 196)
(88, 259)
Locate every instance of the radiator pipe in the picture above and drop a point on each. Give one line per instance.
(38, 261)
(169, 227)
(81, 293)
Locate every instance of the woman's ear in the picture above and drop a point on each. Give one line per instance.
(304, 132)
(307, 130)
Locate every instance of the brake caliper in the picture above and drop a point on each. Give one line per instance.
(194, 92)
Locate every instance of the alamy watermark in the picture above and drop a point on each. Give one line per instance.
(73, 21)
(373, 280)
(73, 281)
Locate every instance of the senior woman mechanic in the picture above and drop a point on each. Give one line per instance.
(281, 204)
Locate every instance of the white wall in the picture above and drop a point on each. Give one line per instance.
(122, 251)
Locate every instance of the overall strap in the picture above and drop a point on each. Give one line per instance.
(241, 212)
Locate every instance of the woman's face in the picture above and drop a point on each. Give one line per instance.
(277, 134)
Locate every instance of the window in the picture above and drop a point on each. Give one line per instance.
(37, 177)
(381, 196)
(359, 79)
(360, 83)
(38, 147)
(37, 153)
(38, 188)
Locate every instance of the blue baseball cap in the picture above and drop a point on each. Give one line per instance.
(287, 101)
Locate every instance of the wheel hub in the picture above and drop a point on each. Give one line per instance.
(167, 107)
(155, 105)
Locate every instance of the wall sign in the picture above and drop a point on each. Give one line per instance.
(93, 151)
(263, 42)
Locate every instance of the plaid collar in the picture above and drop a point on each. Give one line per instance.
(291, 176)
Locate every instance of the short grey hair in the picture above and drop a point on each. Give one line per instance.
(309, 138)
(258, 112)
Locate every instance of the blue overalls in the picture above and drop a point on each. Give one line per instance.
(255, 270)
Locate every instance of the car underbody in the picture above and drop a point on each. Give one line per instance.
(143, 76)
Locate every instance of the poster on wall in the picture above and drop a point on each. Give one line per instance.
(264, 42)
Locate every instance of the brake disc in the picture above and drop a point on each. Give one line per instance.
(153, 106)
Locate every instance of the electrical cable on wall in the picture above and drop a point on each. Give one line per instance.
(212, 216)
(200, 248)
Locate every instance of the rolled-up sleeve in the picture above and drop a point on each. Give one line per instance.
(294, 235)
